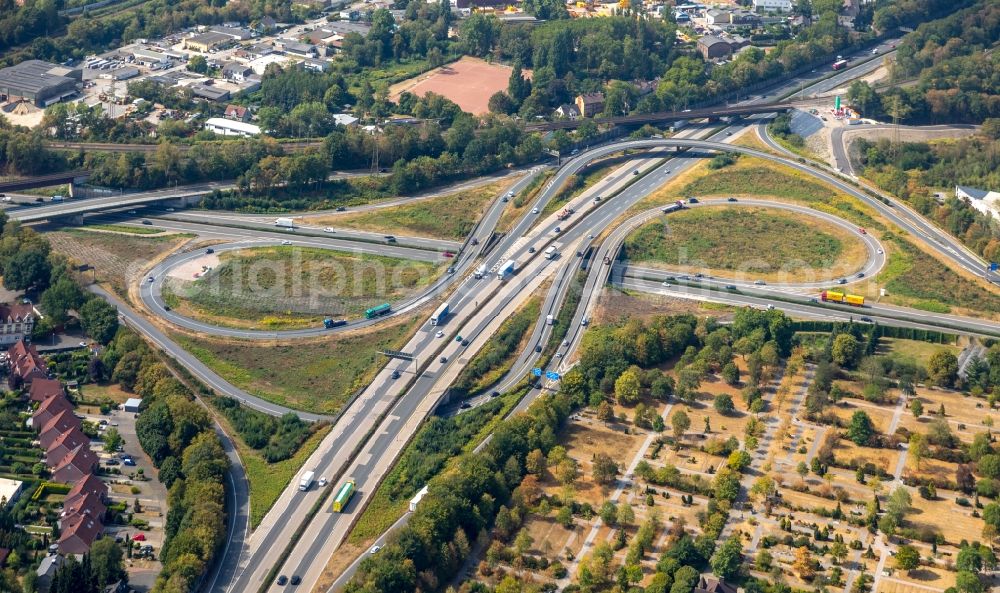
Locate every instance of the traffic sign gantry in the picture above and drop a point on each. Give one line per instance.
(552, 375)
(397, 354)
(536, 372)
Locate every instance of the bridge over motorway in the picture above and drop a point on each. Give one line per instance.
(67, 178)
(649, 118)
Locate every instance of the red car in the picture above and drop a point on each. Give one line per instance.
(862, 231)
(449, 254)
(139, 537)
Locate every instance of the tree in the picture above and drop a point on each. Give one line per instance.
(724, 404)
(917, 408)
(106, 562)
(627, 387)
(534, 463)
(802, 469)
(662, 387)
(605, 470)
(27, 270)
(839, 552)
(99, 319)
(907, 558)
(726, 560)
(112, 440)
(861, 429)
(731, 374)
(679, 422)
(567, 472)
(625, 515)
(943, 368)
(918, 448)
(500, 102)
(59, 298)
(845, 350)
(968, 582)
(197, 63)
(804, 565)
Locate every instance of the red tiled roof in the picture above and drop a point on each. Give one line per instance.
(78, 533)
(49, 409)
(25, 362)
(42, 389)
(15, 313)
(89, 486)
(56, 426)
(89, 505)
(75, 465)
(65, 443)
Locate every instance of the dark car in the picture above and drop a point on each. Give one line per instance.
(730, 199)
(341, 209)
(144, 221)
(465, 342)
(495, 394)
(842, 281)
(730, 287)
(538, 348)
(867, 320)
(282, 580)
(395, 375)
(166, 307)
(636, 172)
(390, 239)
(209, 251)
(465, 405)
(443, 359)
(296, 579)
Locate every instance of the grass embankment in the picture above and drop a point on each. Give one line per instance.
(450, 216)
(766, 242)
(115, 257)
(316, 376)
(126, 228)
(516, 207)
(286, 287)
(581, 182)
(496, 358)
(915, 279)
(912, 350)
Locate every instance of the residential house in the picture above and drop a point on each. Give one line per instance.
(316, 65)
(25, 365)
(16, 323)
(713, 48)
(78, 533)
(63, 422)
(237, 113)
(49, 409)
(590, 104)
(74, 467)
(713, 584)
(345, 119)
(567, 111)
(265, 25)
(46, 570)
(64, 444)
(772, 5)
(43, 389)
(745, 17)
(236, 72)
(89, 505)
(89, 486)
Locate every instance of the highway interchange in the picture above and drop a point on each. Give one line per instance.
(375, 426)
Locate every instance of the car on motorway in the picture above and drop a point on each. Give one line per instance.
(861, 274)
(328, 230)
(282, 581)
(296, 579)
(559, 354)
(557, 230)
(879, 251)
(597, 199)
(465, 405)
(730, 287)
(440, 334)
(341, 209)
(730, 199)
(390, 239)
(286, 242)
(505, 199)
(150, 279)
(867, 320)
(132, 212)
(538, 348)
(699, 275)
(374, 549)
(474, 241)
(636, 172)
(862, 231)
(170, 209)
(495, 394)
(534, 210)
(144, 221)
(458, 338)
(209, 251)
(692, 200)
(443, 359)
(394, 375)
(842, 281)
(728, 133)
(322, 482)
(665, 283)
(759, 282)
(451, 269)
(531, 249)
(584, 322)
(565, 343)
(166, 307)
(465, 342)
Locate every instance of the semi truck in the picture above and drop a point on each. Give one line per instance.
(832, 296)
(440, 314)
(344, 494)
(506, 270)
(551, 252)
(307, 480)
(332, 323)
(673, 207)
(287, 223)
(566, 212)
(374, 312)
(480, 271)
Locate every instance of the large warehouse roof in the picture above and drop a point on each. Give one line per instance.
(34, 76)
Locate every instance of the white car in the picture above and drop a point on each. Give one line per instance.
(440, 334)
(374, 549)
(665, 283)
(879, 251)
(286, 242)
(534, 210)
(328, 230)
(322, 482)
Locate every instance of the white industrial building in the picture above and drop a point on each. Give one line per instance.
(985, 201)
(10, 490)
(772, 5)
(132, 405)
(228, 127)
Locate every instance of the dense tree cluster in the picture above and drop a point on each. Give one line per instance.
(100, 567)
(177, 433)
(276, 438)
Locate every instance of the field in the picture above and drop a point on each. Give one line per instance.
(127, 229)
(765, 242)
(913, 278)
(316, 376)
(290, 287)
(912, 350)
(117, 258)
(469, 82)
(449, 217)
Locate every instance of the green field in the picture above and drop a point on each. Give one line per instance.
(750, 179)
(743, 239)
(912, 350)
(450, 217)
(292, 287)
(125, 228)
(316, 376)
(915, 279)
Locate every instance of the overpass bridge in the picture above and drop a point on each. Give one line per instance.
(650, 118)
(68, 178)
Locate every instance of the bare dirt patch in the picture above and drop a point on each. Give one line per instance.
(468, 82)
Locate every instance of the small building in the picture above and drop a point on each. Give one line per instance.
(713, 48)
(16, 323)
(265, 25)
(64, 422)
(236, 72)
(124, 73)
(47, 570)
(983, 200)
(711, 584)
(772, 5)
(64, 444)
(25, 365)
(209, 92)
(43, 389)
(237, 113)
(207, 42)
(717, 16)
(39, 83)
(567, 111)
(297, 49)
(316, 65)
(78, 533)
(590, 104)
(133, 404)
(345, 119)
(417, 498)
(10, 490)
(681, 17)
(148, 57)
(49, 409)
(235, 33)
